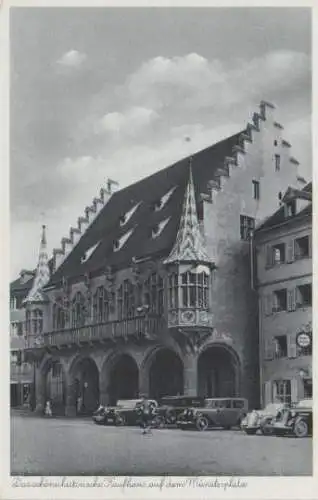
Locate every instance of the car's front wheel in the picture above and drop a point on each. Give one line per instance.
(301, 428)
(202, 423)
(120, 420)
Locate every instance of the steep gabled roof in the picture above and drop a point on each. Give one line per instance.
(279, 217)
(107, 229)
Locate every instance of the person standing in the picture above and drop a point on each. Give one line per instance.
(146, 414)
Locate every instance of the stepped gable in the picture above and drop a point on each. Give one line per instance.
(107, 228)
(279, 217)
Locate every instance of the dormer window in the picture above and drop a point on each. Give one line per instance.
(118, 244)
(159, 204)
(158, 228)
(277, 163)
(89, 252)
(290, 208)
(125, 217)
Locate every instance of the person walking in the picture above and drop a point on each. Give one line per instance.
(146, 415)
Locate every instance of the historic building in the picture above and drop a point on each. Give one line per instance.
(151, 292)
(20, 372)
(284, 265)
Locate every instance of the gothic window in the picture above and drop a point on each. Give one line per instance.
(126, 300)
(173, 292)
(154, 293)
(78, 310)
(58, 316)
(195, 290)
(100, 305)
(37, 321)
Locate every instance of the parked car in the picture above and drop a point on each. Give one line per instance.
(262, 419)
(215, 412)
(126, 412)
(296, 420)
(170, 407)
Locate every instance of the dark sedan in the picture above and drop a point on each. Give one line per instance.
(126, 412)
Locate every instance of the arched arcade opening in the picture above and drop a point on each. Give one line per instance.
(165, 374)
(85, 386)
(123, 379)
(218, 373)
(54, 386)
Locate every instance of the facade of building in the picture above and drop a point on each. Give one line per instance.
(284, 269)
(21, 378)
(151, 293)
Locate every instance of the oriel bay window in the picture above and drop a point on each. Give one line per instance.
(192, 291)
(100, 305)
(37, 321)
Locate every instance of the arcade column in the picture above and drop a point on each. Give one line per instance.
(190, 374)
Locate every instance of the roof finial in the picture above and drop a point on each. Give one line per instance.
(43, 239)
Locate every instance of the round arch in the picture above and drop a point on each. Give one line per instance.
(218, 371)
(84, 376)
(54, 384)
(123, 378)
(164, 369)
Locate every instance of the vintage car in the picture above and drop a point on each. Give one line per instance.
(261, 420)
(170, 407)
(126, 412)
(215, 412)
(296, 420)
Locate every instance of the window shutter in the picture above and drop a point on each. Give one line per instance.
(268, 304)
(291, 346)
(310, 245)
(274, 392)
(290, 251)
(267, 392)
(269, 348)
(294, 390)
(291, 300)
(269, 255)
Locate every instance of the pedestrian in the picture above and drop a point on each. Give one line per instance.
(146, 415)
(48, 409)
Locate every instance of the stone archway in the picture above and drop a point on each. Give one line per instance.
(165, 374)
(123, 379)
(85, 386)
(54, 385)
(218, 372)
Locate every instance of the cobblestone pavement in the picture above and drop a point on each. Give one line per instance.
(41, 446)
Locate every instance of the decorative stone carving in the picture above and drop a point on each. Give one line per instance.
(192, 340)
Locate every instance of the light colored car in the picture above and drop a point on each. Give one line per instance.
(260, 420)
(295, 421)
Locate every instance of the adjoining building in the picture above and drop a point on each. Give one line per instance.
(284, 269)
(151, 292)
(20, 372)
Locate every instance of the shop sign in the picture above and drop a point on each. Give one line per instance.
(303, 340)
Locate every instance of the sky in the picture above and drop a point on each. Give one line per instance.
(101, 93)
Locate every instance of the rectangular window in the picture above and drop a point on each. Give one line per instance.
(256, 190)
(280, 346)
(302, 247)
(247, 225)
(278, 254)
(283, 390)
(304, 295)
(280, 300)
(308, 388)
(277, 163)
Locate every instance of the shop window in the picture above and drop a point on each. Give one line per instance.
(302, 247)
(247, 226)
(304, 295)
(280, 346)
(256, 190)
(280, 300)
(283, 390)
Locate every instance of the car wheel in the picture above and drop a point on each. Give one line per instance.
(300, 428)
(266, 432)
(250, 432)
(202, 423)
(159, 422)
(120, 420)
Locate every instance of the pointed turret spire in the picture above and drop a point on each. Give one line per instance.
(42, 275)
(189, 245)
